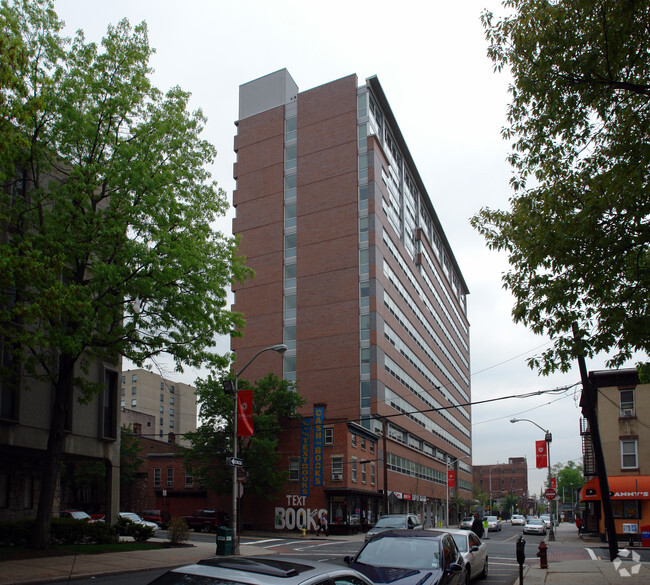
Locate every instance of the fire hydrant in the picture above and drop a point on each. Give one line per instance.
(543, 555)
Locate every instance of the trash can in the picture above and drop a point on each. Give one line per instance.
(645, 536)
(224, 540)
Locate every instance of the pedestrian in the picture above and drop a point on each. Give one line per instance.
(322, 525)
(579, 524)
(477, 526)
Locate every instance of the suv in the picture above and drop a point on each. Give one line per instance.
(263, 570)
(158, 516)
(393, 521)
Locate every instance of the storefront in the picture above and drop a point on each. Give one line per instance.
(630, 497)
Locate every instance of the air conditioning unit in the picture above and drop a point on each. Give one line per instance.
(337, 476)
(628, 412)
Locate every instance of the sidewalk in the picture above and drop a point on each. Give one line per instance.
(567, 568)
(578, 571)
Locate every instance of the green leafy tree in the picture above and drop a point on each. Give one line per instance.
(130, 462)
(569, 480)
(577, 233)
(107, 210)
(275, 401)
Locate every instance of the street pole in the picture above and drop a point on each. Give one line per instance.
(281, 348)
(455, 478)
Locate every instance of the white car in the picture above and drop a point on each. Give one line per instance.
(474, 551)
(518, 520)
(135, 518)
(535, 526)
(494, 524)
(547, 520)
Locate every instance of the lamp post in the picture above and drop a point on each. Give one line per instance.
(280, 348)
(448, 464)
(548, 438)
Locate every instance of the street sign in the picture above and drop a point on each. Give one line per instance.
(234, 462)
(550, 494)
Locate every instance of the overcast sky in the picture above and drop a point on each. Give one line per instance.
(430, 58)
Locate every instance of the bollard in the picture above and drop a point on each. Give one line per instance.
(521, 557)
(304, 532)
(542, 553)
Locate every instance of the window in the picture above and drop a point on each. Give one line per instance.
(290, 276)
(171, 400)
(134, 402)
(134, 378)
(364, 262)
(329, 436)
(364, 326)
(162, 386)
(161, 422)
(123, 391)
(290, 215)
(294, 469)
(291, 128)
(363, 230)
(171, 389)
(290, 336)
(123, 379)
(156, 476)
(364, 294)
(354, 469)
(171, 424)
(337, 468)
(162, 409)
(365, 394)
(363, 472)
(363, 443)
(134, 390)
(629, 454)
(353, 438)
(171, 412)
(162, 398)
(290, 182)
(372, 447)
(189, 481)
(170, 477)
(626, 398)
(290, 242)
(290, 306)
(123, 403)
(290, 157)
(289, 368)
(372, 473)
(365, 360)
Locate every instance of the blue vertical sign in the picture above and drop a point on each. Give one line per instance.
(305, 455)
(319, 415)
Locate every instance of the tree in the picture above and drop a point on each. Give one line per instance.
(274, 402)
(107, 209)
(577, 233)
(569, 480)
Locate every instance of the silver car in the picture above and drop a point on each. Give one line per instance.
(262, 570)
(474, 551)
(535, 526)
(494, 524)
(518, 520)
(137, 520)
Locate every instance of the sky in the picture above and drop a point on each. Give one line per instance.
(430, 58)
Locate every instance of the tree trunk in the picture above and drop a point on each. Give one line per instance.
(62, 403)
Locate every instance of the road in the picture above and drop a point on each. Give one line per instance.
(503, 567)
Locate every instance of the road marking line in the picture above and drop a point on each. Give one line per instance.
(255, 542)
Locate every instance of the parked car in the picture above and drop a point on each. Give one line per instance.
(158, 516)
(518, 520)
(263, 570)
(474, 551)
(206, 520)
(494, 524)
(388, 521)
(466, 523)
(535, 526)
(410, 557)
(547, 519)
(135, 518)
(77, 515)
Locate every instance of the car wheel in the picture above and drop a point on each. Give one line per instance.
(484, 574)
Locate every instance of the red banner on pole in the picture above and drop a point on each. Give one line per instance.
(245, 413)
(553, 483)
(541, 455)
(451, 478)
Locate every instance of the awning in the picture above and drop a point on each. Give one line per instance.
(632, 487)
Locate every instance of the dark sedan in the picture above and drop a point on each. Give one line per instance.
(410, 557)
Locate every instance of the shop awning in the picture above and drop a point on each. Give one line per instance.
(634, 487)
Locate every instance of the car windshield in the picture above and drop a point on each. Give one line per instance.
(536, 521)
(401, 553)
(130, 516)
(461, 542)
(491, 518)
(391, 522)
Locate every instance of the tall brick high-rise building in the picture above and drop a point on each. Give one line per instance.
(355, 275)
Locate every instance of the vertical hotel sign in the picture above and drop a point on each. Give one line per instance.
(319, 415)
(305, 456)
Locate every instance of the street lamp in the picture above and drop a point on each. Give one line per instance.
(447, 465)
(548, 438)
(280, 348)
(490, 478)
